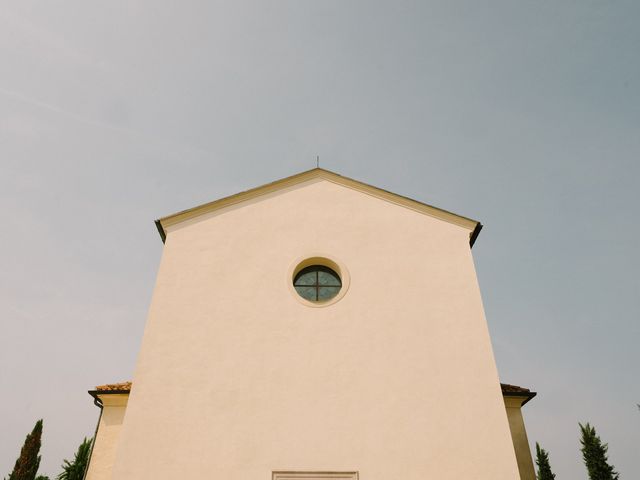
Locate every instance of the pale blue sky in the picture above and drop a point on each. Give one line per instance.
(524, 115)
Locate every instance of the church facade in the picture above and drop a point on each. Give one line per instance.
(314, 328)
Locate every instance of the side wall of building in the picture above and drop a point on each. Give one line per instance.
(107, 436)
(101, 464)
(513, 404)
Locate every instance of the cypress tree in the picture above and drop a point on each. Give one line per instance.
(27, 464)
(594, 453)
(542, 461)
(75, 470)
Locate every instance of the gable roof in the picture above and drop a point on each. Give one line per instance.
(473, 226)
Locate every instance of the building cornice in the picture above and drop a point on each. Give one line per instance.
(165, 223)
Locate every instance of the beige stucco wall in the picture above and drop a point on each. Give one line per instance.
(513, 406)
(109, 427)
(236, 378)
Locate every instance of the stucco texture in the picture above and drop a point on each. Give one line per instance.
(237, 378)
(513, 406)
(107, 438)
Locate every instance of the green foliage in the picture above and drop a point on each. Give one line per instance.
(27, 464)
(542, 461)
(594, 453)
(75, 470)
(42, 477)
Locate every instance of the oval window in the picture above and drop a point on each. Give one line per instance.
(317, 283)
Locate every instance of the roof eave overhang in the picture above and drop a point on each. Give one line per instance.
(526, 396)
(96, 394)
(473, 236)
(163, 234)
(474, 227)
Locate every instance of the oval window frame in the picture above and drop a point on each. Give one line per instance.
(323, 260)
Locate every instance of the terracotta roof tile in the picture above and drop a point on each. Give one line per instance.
(124, 386)
(506, 388)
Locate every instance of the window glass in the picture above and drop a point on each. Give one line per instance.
(317, 283)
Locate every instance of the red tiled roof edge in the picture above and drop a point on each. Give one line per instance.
(517, 392)
(506, 388)
(114, 387)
